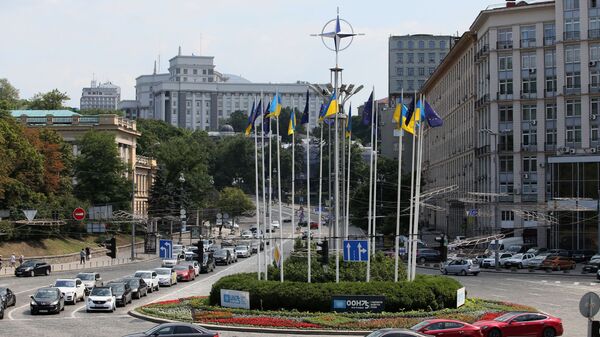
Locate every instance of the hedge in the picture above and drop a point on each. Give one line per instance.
(425, 293)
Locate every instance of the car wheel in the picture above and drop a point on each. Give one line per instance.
(2, 314)
(47, 272)
(445, 272)
(549, 332)
(520, 266)
(88, 310)
(463, 272)
(31, 273)
(475, 273)
(422, 260)
(495, 333)
(157, 288)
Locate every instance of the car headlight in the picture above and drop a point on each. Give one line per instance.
(119, 297)
(109, 300)
(89, 300)
(54, 303)
(32, 303)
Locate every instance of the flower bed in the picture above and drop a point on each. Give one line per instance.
(200, 311)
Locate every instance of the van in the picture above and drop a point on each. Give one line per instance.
(518, 249)
(503, 244)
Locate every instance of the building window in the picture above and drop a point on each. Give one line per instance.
(573, 80)
(411, 85)
(411, 57)
(508, 216)
(594, 133)
(530, 137)
(528, 61)
(505, 142)
(421, 82)
(442, 44)
(506, 164)
(593, 3)
(504, 38)
(431, 71)
(421, 44)
(505, 63)
(400, 44)
(595, 106)
(549, 34)
(195, 71)
(399, 57)
(529, 85)
(595, 79)
(411, 44)
(573, 108)
(185, 71)
(431, 44)
(400, 71)
(574, 134)
(506, 113)
(442, 55)
(551, 111)
(410, 71)
(595, 52)
(527, 36)
(431, 57)
(421, 57)
(572, 54)
(529, 164)
(421, 71)
(506, 87)
(551, 137)
(177, 70)
(529, 112)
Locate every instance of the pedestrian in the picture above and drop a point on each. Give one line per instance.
(0, 262)
(13, 260)
(88, 254)
(82, 256)
(21, 258)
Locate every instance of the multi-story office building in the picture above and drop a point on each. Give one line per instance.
(520, 98)
(104, 96)
(194, 95)
(412, 58)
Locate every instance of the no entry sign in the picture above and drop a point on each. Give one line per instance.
(79, 213)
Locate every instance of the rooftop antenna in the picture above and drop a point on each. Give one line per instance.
(179, 51)
(154, 67)
(159, 63)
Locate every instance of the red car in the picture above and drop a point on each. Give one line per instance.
(185, 272)
(532, 324)
(314, 225)
(447, 328)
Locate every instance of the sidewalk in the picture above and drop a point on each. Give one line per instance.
(571, 273)
(98, 260)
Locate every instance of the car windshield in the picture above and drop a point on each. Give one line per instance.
(220, 253)
(419, 325)
(163, 271)
(180, 267)
(505, 317)
(117, 288)
(143, 275)
(133, 282)
(241, 247)
(46, 294)
(64, 283)
(101, 292)
(86, 277)
(28, 264)
(518, 256)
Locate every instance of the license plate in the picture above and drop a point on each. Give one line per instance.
(98, 307)
(44, 310)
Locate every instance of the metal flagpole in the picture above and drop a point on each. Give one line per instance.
(308, 194)
(412, 191)
(417, 192)
(337, 179)
(264, 199)
(370, 214)
(279, 197)
(256, 182)
(268, 228)
(346, 229)
(293, 177)
(319, 220)
(375, 159)
(397, 240)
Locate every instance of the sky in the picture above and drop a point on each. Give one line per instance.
(62, 44)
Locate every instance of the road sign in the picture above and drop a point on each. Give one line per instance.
(79, 213)
(165, 249)
(589, 305)
(219, 215)
(225, 216)
(356, 250)
(30, 213)
(461, 295)
(472, 212)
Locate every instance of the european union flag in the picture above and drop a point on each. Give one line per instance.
(433, 118)
(368, 111)
(305, 114)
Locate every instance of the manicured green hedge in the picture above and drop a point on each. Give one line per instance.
(425, 293)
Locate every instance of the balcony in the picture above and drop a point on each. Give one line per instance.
(550, 40)
(594, 34)
(503, 96)
(571, 36)
(482, 150)
(504, 45)
(482, 52)
(483, 100)
(528, 95)
(549, 93)
(571, 90)
(594, 88)
(528, 43)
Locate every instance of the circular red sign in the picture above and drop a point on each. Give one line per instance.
(78, 213)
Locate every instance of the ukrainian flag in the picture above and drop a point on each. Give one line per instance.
(413, 120)
(292, 125)
(400, 114)
(349, 122)
(250, 121)
(332, 109)
(275, 109)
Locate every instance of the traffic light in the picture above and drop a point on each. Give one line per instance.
(443, 241)
(200, 246)
(324, 252)
(111, 246)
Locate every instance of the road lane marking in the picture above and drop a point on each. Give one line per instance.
(14, 309)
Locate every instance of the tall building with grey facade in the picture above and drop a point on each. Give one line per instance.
(104, 96)
(194, 95)
(520, 99)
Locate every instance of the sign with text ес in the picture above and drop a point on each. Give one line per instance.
(235, 299)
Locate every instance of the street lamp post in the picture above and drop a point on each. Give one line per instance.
(182, 210)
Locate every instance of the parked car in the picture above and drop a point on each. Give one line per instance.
(170, 263)
(231, 250)
(447, 327)
(122, 292)
(305, 234)
(537, 261)
(208, 263)
(33, 268)
(460, 267)
(90, 280)
(274, 225)
(247, 234)
(2, 308)
(522, 324)
(193, 263)
(537, 251)
(150, 277)
(73, 290)
(222, 256)
(101, 298)
(177, 329)
(582, 255)
(490, 262)
(394, 332)
(559, 252)
(185, 272)
(591, 267)
(428, 255)
(138, 286)
(479, 258)
(519, 260)
(242, 251)
(558, 263)
(47, 300)
(166, 276)
(7, 297)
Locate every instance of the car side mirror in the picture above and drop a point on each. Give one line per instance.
(31, 296)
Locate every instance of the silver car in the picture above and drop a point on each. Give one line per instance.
(460, 267)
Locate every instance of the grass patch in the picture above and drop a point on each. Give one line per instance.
(56, 246)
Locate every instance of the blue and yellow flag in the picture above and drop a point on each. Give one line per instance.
(413, 118)
(349, 122)
(275, 109)
(266, 122)
(292, 125)
(251, 120)
(400, 114)
(332, 108)
(322, 111)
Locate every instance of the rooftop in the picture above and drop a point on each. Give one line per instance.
(43, 113)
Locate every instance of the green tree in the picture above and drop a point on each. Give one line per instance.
(235, 202)
(153, 133)
(234, 163)
(238, 120)
(52, 100)
(94, 112)
(9, 95)
(100, 173)
(284, 121)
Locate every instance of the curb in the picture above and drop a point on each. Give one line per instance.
(507, 271)
(153, 319)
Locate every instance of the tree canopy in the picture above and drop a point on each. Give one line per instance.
(52, 100)
(235, 202)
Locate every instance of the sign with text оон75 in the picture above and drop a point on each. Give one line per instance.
(235, 299)
(357, 303)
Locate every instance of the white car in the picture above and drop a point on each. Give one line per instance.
(519, 260)
(101, 298)
(247, 235)
(170, 263)
(231, 250)
(90, 280)
(150, 277)
(490, 262)
(177, 250)
(275, 224)
(72, 289)
(242, 251)
(166, 276)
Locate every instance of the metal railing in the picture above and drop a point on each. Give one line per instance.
(504, 45)
(594, 34)
(528, 43)
(570, 36)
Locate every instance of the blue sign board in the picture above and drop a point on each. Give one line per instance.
(473, 212)
(165, 249)
(356, 250)
(357, 303)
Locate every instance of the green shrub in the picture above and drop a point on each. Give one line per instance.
(425, 293)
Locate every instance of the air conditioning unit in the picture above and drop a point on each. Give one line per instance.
(532, 70)
(564, 149)
(534, 122)
(526, 176)
(572, 151)
(593, 117)
(593, 63)
(593, 150)
(542, 165)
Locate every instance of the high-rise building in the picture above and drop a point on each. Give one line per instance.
(520, 99)
(194, 95)
(103, 96)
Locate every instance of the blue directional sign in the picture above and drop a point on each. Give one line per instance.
(356, 250)
(165, 249)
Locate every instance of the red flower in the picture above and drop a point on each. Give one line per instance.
(264, 321)
(488, 316)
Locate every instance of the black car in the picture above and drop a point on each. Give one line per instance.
(32, 268)
(47, 300)
(428, 255)
(582, 255)
(122, 292)
(591, 267)
(176, 329)
(7, 297)
(138, 286)
(1, 309)
(208, 263)
(222, 256)
(559, 252)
